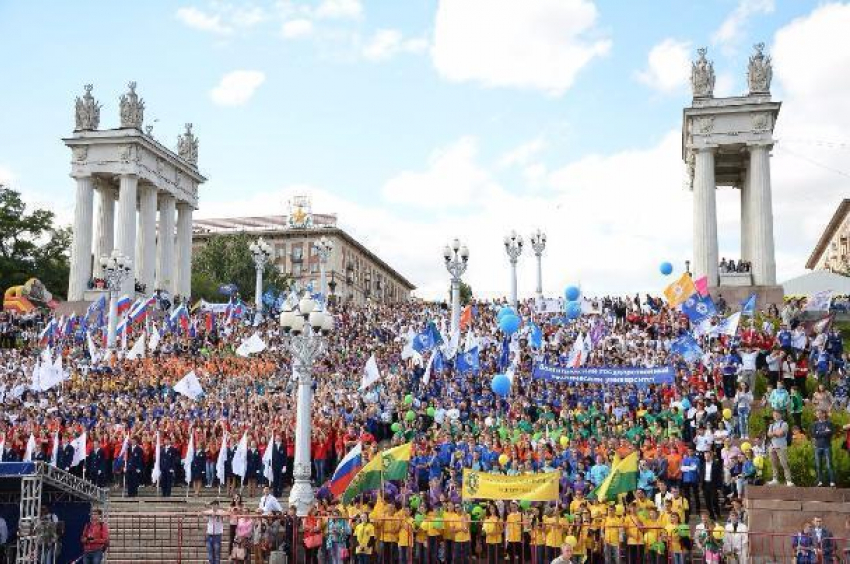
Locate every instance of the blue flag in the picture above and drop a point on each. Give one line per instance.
(698, 307)
(748, 306)
(687, 347)
(505, 356)
(439, 363)
(468, 361)
(536, 336)
(428, 339)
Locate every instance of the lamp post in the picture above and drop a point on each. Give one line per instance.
(456, 257)
(324, 247)
(261, 252)
(116, 270)
(513, 246)
(305, 330)
(538, 244)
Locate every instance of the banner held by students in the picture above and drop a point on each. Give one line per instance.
(528, 487)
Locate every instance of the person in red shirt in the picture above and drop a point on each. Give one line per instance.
(95, 539)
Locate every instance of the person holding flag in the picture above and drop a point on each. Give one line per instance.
(134, 465)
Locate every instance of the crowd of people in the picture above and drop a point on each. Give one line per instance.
(692, 436)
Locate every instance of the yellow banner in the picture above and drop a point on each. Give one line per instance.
(529, 487)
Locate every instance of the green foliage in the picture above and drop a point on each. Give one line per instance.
(844, 327)
(225, 259)
(801, 456)
(31, 245)
(465, 293)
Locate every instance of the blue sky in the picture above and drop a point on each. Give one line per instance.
(424, 119)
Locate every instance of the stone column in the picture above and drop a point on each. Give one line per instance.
(705, 217)
(184, 249)
(761, 217)
(165, 245)
(105, 234)
(746, 228)
(127, 227)
(146, 247)
(80, 273)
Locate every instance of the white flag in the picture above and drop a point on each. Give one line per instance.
(156, 472)
(450, 349)
(426, 377)
(54, 456)
(79, 445)
(222, 459)
(371, 374)
(267, 462)
(729, 326)
(92, 349)
(189, 386)
(472, 341)
(46, 356)
(138, 349)
(240, 457)
(153, 342)
(30, 451)
(408, 351)
(251, 345)
(190, 456)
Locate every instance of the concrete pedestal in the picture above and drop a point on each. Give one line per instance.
(734, 295)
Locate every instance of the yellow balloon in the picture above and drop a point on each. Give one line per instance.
(571, 540)
(746, 447)
(565, 442)
(718, 532)
(503, 459)
(727, 414)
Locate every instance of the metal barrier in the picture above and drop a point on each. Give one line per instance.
(182, 537)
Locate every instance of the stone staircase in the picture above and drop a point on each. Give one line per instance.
(152, 529)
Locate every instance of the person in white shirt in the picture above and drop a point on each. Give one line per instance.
(735, 541)
(215, 529)
(269, 503)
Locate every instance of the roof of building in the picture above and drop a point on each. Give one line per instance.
(323, 224)
(828, 233)
(817, 281)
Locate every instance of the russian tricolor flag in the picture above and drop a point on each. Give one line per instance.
(140, 309)
(47, 333)
(123, 304)
(180, 315)
(346, 470)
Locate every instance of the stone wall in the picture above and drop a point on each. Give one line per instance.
(775, 514)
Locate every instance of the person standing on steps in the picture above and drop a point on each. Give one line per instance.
(215, 530)
(95, 539)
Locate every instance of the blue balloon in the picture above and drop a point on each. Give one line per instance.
(572, 293)
(666, 268)
(509, 324)
(501, 385)
(686, 404)
(505, 310)
(573, 310)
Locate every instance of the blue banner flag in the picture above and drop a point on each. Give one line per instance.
(505, 356)
(748, 306)
(536, 336)
(468, 361)
(428, 339)
(604, 375)
(439, 363)
(698, 307)
(687, 347)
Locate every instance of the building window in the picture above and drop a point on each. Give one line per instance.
(281, 250)
(296, 269)
(297, 253)
(314, 267)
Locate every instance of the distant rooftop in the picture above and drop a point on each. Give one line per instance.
(258, 223)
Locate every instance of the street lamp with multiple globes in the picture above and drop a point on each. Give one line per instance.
(261, 252)
(538, 243)
(324, 247)
(116, 270)
(305, 330)
(513, 246)
(456, 257)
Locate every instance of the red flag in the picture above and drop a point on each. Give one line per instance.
(209, 322)
(465, 317)
(702, 286)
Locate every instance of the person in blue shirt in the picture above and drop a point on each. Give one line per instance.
(599, 471)
(690, 479)
(784, 338)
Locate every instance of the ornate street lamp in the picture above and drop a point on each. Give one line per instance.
(261, 252)
(513, 246)
(457, 258)
(324, 247)
(305, 330)
(538, 244)
(116, 270)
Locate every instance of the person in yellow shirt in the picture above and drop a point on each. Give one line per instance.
(680, 505)
(364, 536)
(651, 529)
(612, 535)
(451, 520)
(555, 532)
(434, 525)
(644, 504)
(513, 533)
(461, 549)
(538, 535)
(679, 543)
(405, 536)
(492, 527)
(421, 536)
(634, 535)
(577, 502)
(388, 532)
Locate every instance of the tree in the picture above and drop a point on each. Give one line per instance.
(465, 293)
(31, 246)
(225, 259)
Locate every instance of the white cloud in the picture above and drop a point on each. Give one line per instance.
(339, 9)
(732, 30)
(724, 85)
(387, 43)
(537, 44)
(237, 87)
(294, 29)
(523, 154)
(221, 19)
(6, 176)
(668, 66)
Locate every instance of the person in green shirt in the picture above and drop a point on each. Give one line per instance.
(796, 406)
